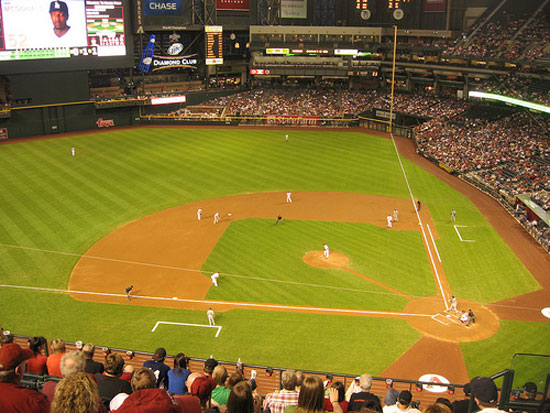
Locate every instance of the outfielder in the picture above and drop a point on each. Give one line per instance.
(214, 277)
(286, 137)
(326, 251)
(453, 215)
(216, 217)
(289, 197)
(210, 314)
(73, 151)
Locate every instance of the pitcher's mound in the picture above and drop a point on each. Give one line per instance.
(317, 259)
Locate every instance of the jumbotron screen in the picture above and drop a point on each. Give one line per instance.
(62, 35)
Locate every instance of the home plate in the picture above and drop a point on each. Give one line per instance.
(448, 316)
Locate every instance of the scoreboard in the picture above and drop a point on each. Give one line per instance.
(214, 45)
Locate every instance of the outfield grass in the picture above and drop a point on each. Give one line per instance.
(52, 201)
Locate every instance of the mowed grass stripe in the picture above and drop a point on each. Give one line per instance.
(277, 255)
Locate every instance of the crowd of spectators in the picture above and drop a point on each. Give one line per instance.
(506, 36)
(521, 87)
(510, 153)
(321, 103)
(150, 389)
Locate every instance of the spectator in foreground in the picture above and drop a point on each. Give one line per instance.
(358, 399)
(485, 394)
(220, 394)
(76, 393)
(461, 406)
(72, 362)
(312, 397)
(13, 396)
(37, 363)
(146, 397)
(109, 384)
(438, 408)
(403, 404)
(92, 366)
(288, 396)
(241, 399)
(178, 375)
(159, 368)
(54, 359)
(339, 386)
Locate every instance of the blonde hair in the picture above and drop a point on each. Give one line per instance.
(76, 393)
(58, 345)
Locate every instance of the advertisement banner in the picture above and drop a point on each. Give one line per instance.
(163, 7)
(232, 5)
(3, 133)
(273, 120)
(435, 6)
(294, 9)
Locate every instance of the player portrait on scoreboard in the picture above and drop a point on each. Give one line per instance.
(40, 24)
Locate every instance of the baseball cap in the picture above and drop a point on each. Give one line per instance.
(160, 354)
(59, 6)
(530, 387)
(485, 389)
(12, 355)
(405, 397)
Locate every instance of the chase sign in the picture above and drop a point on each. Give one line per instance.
(163, 7)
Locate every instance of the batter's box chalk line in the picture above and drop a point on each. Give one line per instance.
(440, 318)
(219, 328)
(460, 236)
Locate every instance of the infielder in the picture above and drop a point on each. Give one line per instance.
(199, 213)
(216, 217)
(326, 252)
(453, 215)
(289, 197)
(395, 215)
(210, 314)
(214, 277)
(128, 290)
(454, 304)
(389, 219)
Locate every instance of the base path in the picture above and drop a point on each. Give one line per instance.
(162, 254)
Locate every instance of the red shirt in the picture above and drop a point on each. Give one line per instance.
(37, 364)
(19, 399)
(327, 405)
(54, 364)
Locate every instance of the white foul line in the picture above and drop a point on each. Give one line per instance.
(433, 242)
(186, 324)
(459, 236)
(227, 303)
(420, 224)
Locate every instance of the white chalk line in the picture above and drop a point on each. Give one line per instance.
(168, 267)
(433, 242)
(460, 236)
(227, 303)
(420, 223)
(219, 328)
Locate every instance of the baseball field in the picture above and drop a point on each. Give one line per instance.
(75, 231)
